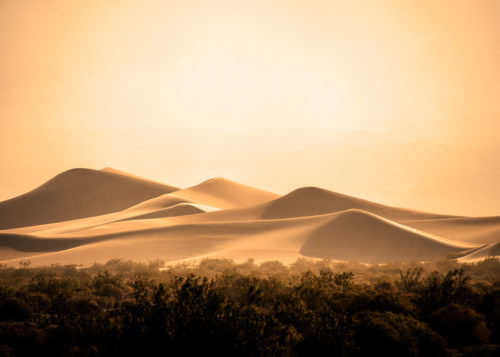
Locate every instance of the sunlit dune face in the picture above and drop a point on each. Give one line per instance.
(261, 92)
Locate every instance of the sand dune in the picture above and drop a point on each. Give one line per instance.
(75, 194)
(109, 214)
(161, 206)
(150, 239)
(308, 201)
(468, 229)
(166, 201)
(488, 251)
(352, 235)
(158, 202)
(359, 235)
(180, 209)
(223, 193)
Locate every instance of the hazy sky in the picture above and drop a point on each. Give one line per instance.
(397, 101)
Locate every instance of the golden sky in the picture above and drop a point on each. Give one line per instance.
(396, 101)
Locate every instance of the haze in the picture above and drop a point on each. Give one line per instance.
(392, 101)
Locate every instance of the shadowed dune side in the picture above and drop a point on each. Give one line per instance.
(308, 201)
(359, 235)
(78, 193)
(223, 193)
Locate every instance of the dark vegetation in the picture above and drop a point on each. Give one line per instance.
(222, 308)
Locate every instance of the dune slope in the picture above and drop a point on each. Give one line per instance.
(351, 235)
(359, 235)
(468, 229)
(152, 239)
(84, 216)
(78, 193)
(223, 193)
(180, 209)
(308, 201)
(485, 252)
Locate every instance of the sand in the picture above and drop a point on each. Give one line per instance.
(84, 216)
(223, 193)
(75, 194)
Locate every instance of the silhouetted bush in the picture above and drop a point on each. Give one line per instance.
(490, 307)
(12, 308)
(440, 290)
(460, 325)
(312, 308)
(410, 280)
(388, 334)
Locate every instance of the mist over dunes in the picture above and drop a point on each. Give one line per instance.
(83, 216)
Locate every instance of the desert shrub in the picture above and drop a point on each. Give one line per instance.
(105, 278)
(410, 280)
(440, 290)
(393, 301)
(242, 289)
(207, 266)
(388, 334)
(196, 318)
(490, 307)
(224, 308)
(12, 308)
(24, 339)
(36, 300)
(6, 351)
(460, 325)
(382, 284)
(58, 290)
(83, 305)
(108, 285)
